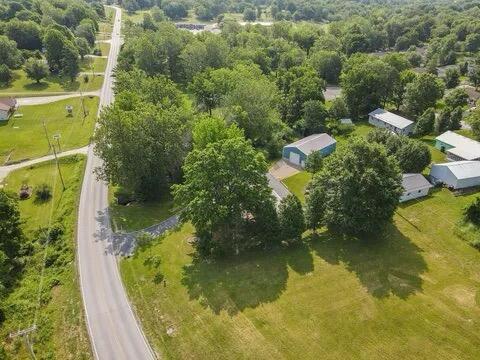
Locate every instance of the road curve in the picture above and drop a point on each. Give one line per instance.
(113, 329)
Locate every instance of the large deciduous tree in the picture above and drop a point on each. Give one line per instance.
(357, 190)
(226, 196)
(367, 84)
(422, 93)
(36, 69)
(291, 218)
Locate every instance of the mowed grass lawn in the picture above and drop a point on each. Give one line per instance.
(98, 64)
(22, 86)
(137, 216)
(24, 137)
(414, 292)
(61, 332)
(104, 48)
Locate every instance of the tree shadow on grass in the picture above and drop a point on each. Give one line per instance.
(389, 264)
(246, 281)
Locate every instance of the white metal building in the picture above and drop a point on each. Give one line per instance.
(458, 147)
(385, 119)
(414, 186)
(457, 174)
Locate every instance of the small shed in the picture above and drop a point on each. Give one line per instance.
(385, 119)
(297, 152)
(7, 108)
(346, 121)
(457, 174)
(414, 186)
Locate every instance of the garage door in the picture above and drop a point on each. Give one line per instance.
(294, 158)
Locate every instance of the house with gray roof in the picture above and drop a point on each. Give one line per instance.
(297, 152)
(458, 147)
(414, 186)
(7, 107)
(395, 123)
(457, 174)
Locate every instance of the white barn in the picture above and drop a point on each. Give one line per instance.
(414, 186)
(458, 147)
(385, 119)
(457, 174)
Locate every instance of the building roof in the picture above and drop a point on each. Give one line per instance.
(313, 143)
(391, 118)
(7, 103)
(463, 146)
(413, 182)
(462, 169)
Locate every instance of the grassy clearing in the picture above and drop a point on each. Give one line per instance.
(61, 330)
(137, 216)
(24, 137)
(136, 17)
(22, 86)
(298, 183)
(97, 64)
(412, 293)
(104, 48)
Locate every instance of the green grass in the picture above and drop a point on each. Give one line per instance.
(297, 184)
(104, 48)
(22, 86)
(411, 293)
(99, 64)
(466, 133)
(61, 330)
(136, 17)
(24, 137)
(137, 216)
(437, 155)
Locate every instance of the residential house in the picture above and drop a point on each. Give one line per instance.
(458, 147)
(7, 108)
(384, 119)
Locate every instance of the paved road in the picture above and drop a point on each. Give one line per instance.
(38, 100)
(5, 170)
(114, 331)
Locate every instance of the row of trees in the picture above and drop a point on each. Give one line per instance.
(64, 31)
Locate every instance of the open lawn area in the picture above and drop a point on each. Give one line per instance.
(136, 17)
(97, 64)
(22, 86)
(297, 184)
(24, 137)
(137, 216)
(414, 292)
(104, 48)
(61, 331)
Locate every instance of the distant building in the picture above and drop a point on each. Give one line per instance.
(457, 174)
(297, 152)
(7, 108)
(390, 121)
(346, 121)
(414, 186)
(458, 147)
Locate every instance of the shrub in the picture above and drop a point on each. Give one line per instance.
(24, 192)
(472, 212)
(292, 219)
(43, 192)
(6, 74)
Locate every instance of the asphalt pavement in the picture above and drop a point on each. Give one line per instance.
(113, 328)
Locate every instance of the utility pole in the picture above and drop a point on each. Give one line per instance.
(46, 134)
(58, 167)
(83, 107)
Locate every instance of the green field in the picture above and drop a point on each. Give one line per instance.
(137, 216)
(52, 85)
(22, 138)
(98, 63)
(136, 17)
(297, 184)
(61, 330)
(104, 48)
(412, 293)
